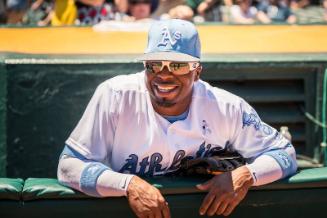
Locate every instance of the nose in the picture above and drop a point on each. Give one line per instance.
(165, 73)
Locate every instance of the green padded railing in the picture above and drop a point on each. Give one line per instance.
(45, 188)
(11, 189)
(302, 195)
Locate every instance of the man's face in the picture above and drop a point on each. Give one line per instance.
(170, 93)
(140, 10)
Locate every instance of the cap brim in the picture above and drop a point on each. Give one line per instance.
(167, 56)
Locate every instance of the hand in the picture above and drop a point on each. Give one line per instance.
(146, 200)
(202, 8)
(36, 4)
(225, 191)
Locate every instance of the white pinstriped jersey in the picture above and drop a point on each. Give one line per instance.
(121, 129)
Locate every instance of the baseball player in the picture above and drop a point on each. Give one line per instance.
(144, 124)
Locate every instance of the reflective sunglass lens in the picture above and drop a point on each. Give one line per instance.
(174, 67)
(179, 68)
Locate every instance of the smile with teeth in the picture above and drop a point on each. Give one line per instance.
(166, 88)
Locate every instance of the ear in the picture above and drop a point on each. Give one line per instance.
(198, 71)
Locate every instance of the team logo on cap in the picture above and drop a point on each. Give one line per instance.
(167, 38)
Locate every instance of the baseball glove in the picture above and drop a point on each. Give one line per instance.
(213, 165)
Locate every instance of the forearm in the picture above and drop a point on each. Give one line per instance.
(273, 165)
(92, 178)
(244, 20)
(204, 6)
(263, 18)
(291, 19)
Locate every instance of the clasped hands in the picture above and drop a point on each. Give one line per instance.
(225, 192)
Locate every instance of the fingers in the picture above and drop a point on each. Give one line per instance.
(162, 211)
(222, 207)
(223, 204)
(206, 203)
(225, 192)
(214, 206)
(146, 200)
(204, 186)
(165, 210)
(229, 209)
(156, 213)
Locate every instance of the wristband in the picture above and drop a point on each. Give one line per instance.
(89, 177)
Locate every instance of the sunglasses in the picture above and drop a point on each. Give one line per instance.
(176, 68)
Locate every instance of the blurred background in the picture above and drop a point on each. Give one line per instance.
(91, 12)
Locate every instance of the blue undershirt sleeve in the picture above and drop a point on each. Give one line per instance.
(90, 174)
(72, 153)
(284, 160)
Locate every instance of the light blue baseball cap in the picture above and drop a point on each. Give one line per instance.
(172, 40)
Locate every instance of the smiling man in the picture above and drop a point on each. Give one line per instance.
(144, 124)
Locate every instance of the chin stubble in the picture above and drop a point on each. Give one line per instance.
(164, 103)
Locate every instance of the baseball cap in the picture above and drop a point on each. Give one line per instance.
(172, 40)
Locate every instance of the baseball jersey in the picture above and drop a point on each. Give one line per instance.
(121, 129)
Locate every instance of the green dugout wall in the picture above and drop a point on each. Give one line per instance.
(42, 98)
(3, 113)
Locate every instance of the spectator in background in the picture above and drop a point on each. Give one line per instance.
(243, 12)
(275, 11)
(183, 12)
(87, 12)
(325, 10)
(2, 12)
(91, 12)
(16, 10)
(165, 6)
(39, 13)
(94, 11)
(121, 6)
(205, 10)
(296, 4)
(64, 13)
(139, 9)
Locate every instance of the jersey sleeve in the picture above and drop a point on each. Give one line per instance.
(90, 177)
(94, 133)
(252, 136)
(270, 155)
